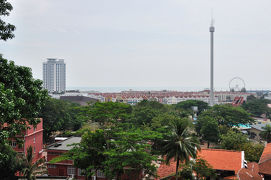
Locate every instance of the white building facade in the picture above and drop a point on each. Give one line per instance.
(54, 75)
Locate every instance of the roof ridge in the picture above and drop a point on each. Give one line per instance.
(220, 150)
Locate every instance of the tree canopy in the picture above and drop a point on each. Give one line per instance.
(233, 140)
(209, 130)
(9, 162)
(145, 111)
(266, 133)
(6, 29)
(110, 112)
(179, 144)
(257, 107)
(115, 151)
(187, 105)
(60, 115)
(228, 115)
(22, 98)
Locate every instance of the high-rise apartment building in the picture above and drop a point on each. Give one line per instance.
(54, 75)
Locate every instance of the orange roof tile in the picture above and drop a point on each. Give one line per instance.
(265, 160)
(250, 173)
(219, 159)
(222, 159)
(166, 170)
(266, 155)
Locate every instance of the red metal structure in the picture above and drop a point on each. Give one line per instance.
(238, 101)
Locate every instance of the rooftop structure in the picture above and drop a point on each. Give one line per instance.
(65, 145)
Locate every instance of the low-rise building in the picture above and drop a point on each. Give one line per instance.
(255, 130)
(32, 136)
(63, 168)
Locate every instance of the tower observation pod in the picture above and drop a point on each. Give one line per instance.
(212, 30)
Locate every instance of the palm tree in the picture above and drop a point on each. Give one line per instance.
(30, 169)
(266, 133)
(180, 144)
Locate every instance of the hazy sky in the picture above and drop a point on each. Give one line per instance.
(147, 43)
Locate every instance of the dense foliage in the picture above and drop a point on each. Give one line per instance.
(126, 139)
(228, 115)
(22, 98)
(257, 106)
(30, 168)
(9, 162)
(187, 105)
(6, 29)
(59, 115)
(266, 133)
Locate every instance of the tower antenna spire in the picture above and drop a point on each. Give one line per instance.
(212, 18)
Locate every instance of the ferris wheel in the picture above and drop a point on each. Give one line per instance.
(237, 84)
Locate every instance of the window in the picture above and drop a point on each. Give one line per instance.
(13, 144)
(81, 172)
(71, 170)
(100, 174)
(51, 166)
(34, 140)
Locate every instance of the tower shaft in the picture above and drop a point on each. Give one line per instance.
(212, 30)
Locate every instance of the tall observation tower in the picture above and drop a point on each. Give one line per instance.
(212, 30)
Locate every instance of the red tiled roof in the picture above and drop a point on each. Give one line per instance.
(166, 170)
(266, 155)
(250, 173)
(219, 159)
(265, 160)
(222, 159)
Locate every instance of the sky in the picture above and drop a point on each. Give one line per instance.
(144, 43)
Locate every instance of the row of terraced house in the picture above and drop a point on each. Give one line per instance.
(168, 97)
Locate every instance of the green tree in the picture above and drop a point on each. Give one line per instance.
(129, 153)
(266, 133)
(59, 115)
(145, 111)
(257, 107)
(31, 169)
(110, 112)
(88, 154)
(6, 29)
(186, 172)
(10, 163)
(233, 140)
(210, 130)
(164, 120)
(253, 152)
(203, 169)
(227, 115)
(22, 97)
(115, 151)
(179, 144)
(187, 105)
